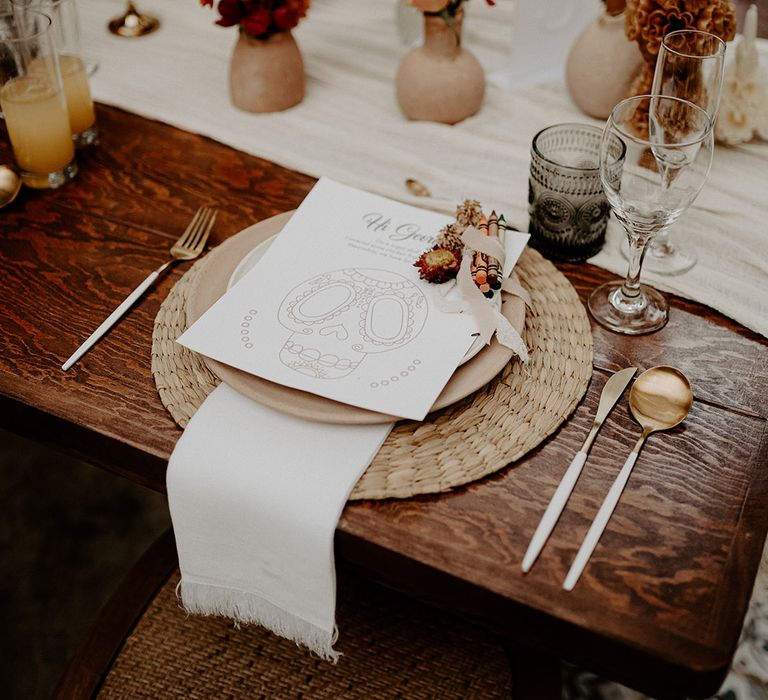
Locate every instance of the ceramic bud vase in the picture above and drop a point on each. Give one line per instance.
(601, 65)
(266, 75)
(440, 81)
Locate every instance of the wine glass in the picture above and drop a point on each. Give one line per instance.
(655, 156)
(690, 66)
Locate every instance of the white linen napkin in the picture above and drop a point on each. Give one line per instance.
(255, 496)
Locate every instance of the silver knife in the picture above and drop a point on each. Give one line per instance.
(612, 391)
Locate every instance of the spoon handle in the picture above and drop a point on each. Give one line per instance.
(600, 521)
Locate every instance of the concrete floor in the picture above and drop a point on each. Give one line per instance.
(69, 532)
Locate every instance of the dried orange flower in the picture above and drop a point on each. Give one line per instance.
(649, 21)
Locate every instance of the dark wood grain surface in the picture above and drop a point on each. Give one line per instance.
(661, 604)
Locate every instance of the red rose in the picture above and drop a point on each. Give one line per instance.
(257, 21)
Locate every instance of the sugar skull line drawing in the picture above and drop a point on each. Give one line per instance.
(395, 378)
(336, 318)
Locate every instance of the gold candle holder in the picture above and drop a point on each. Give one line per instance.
(133, 23)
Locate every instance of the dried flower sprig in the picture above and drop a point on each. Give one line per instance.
(450, 237)
(468, 213)
(441, 263)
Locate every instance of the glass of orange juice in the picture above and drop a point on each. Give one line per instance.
(32, 100)
(74, 74)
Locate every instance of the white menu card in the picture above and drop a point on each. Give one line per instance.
(335, 307)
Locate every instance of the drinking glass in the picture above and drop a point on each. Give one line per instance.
(690, 66)
(33, 102)
(65, 26)
(666, 144)
(566, 204)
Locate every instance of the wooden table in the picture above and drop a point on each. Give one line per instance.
(661, 604)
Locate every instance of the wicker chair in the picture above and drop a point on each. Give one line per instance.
(144, 646)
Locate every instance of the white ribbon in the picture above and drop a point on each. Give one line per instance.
(489, 319)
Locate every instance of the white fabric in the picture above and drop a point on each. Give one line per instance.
(349, 128)
(255, 496)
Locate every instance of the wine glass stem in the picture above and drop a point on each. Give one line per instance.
(629, 298)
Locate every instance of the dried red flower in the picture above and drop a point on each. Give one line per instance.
(257, 21)
(285, 18)
(231, 11)
(260, 18)
(439, 264)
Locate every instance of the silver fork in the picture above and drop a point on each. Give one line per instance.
(188, 247)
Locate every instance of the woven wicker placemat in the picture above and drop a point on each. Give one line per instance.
(464, 442)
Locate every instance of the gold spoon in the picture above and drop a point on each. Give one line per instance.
(660, 399)
(10, 184)
(417, 188)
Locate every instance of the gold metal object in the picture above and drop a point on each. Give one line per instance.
(10, 184)
(611, 393)
(660, 398)
(190, 244)
(133, 23)
(417, 188)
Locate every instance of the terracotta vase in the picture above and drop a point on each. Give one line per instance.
(440, 81)
(601, 65)
(266, 75)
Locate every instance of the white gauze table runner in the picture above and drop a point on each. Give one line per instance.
(349, 128)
